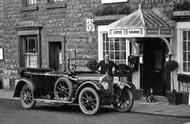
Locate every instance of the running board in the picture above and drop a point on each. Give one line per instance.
(53, 101)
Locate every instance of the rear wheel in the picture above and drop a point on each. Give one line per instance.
(123, 99)
(26, 97)
(89, 101)
(63, 89)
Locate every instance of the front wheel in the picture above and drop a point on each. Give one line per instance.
(123, 99)
(89, 101)
(26, 97)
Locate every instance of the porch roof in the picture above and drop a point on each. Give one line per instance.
(141, 23)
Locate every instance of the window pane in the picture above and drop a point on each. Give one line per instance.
(104, 37)
(123, 55)
(123, 46)
(188, 67)
(111, 55)
(116, 45)
(188, 54)
(104, 53)
(184, 46)
(107, 45)
(31, 47)
(184, 56)
(111, 45)
(107, 39)
(188, 49)
(31, 61)
(188, 35)
(184, 67)
(117, 55)
(104, 46)
(184, 35)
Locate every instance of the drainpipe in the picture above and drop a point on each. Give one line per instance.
(64, 51)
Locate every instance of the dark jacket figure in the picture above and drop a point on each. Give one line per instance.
(107, 67)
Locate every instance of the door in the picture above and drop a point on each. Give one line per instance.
(55, 55)
(153, 66)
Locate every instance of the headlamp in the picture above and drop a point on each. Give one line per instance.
(105, 85)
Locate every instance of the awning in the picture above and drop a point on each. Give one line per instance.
(141, 23)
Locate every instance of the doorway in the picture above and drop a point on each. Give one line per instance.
(55, 55)
(152, 70)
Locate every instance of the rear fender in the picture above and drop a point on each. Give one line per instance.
(20, 84)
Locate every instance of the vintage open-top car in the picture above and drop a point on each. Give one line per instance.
(89, 89)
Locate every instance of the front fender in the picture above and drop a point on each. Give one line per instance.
(92, 84)
(127, 85)
(20, 84)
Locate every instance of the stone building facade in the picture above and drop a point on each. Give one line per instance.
(58, 23)
(35, 33)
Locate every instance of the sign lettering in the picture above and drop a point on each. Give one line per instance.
(165, 31)
(134, 31)
(118, 32)
(152, 31)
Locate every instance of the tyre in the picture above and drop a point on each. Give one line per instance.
(123, 99)
(89, 101)
(27, 97)
(63, 89)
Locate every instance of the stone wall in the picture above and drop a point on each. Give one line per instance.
(67, 18)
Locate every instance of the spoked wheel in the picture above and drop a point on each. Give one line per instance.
(26, 97)
(63, 89)
(89, 101)
(123, 99)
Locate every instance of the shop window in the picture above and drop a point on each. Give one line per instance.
(186, 50)
(29, 51)
(116, 47)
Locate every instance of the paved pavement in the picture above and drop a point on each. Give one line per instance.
(162, 107)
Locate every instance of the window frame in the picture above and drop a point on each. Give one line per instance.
(187, 51)
(116, 43)
(102, 30)
(24, 39)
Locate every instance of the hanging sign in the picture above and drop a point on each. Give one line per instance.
(1, 54)
(90, 25)
(165, 31)
(134, 32)
(131, 32)
(117, 32)
(152, 31)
